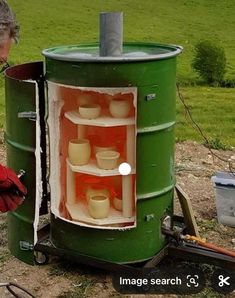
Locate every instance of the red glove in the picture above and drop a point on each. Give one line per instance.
(9, 201)
(12, 191)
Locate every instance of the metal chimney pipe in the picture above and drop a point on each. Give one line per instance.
(111, 33)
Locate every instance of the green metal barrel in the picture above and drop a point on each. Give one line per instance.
(152, 69)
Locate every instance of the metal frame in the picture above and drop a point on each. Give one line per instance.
(187, 252)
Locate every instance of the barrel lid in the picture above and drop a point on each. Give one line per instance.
(224, 178)
(131, 52)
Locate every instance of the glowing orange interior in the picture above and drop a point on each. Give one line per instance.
(98, 136)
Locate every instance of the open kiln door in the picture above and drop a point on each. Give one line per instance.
(26, 150)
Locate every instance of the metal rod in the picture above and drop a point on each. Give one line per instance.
(111, 33)
(201, 255)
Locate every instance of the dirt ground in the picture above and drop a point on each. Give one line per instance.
(194, 168)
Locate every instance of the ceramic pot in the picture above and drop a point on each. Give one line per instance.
(84, 99)
(98, 206)
(107, 160)
(79, 151)
(117, 203)
(91, 192)
(119, 108)
(89, 111)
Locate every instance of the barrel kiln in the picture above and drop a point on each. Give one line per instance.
(98, 152)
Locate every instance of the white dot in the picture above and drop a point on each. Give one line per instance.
(124, 168)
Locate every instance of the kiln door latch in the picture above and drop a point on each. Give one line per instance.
(28, 115)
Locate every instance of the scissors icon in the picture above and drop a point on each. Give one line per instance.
(223, 281)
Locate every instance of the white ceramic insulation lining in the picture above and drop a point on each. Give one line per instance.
(39, 192)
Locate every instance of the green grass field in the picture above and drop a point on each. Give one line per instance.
(49, 23)
(214, 110)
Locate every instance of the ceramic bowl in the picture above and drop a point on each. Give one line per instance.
(103, 148)
(89, 111)
(119, 108)
(107, 160)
